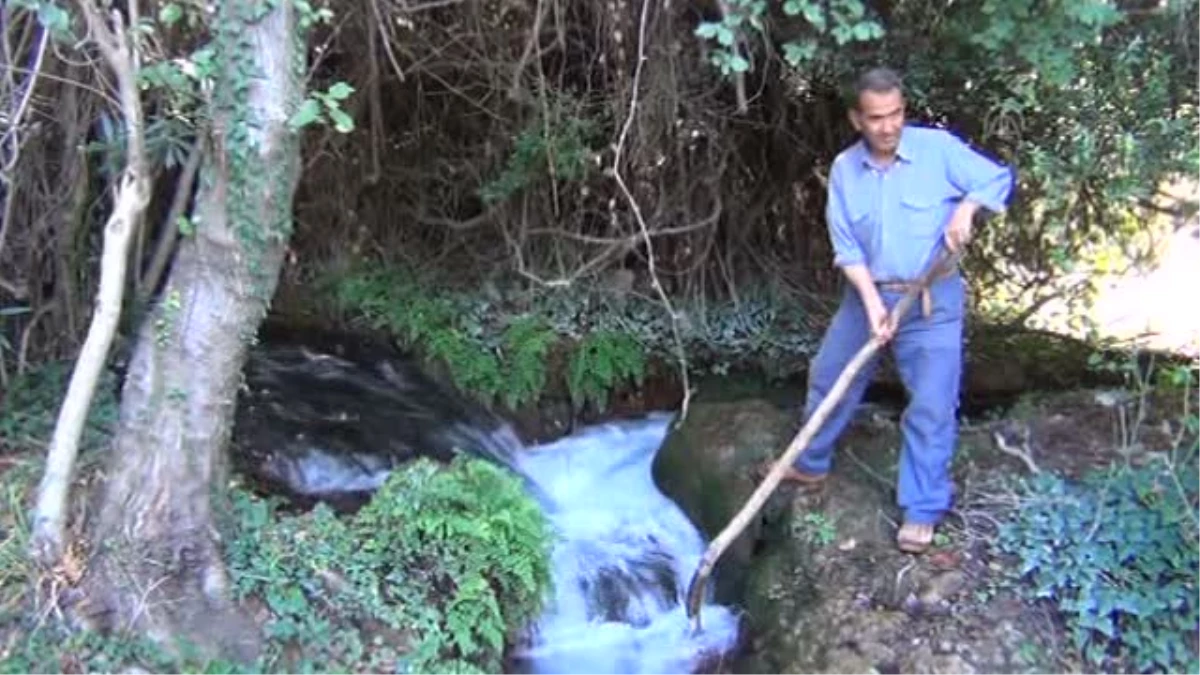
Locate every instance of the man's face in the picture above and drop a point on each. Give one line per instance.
(880, 118)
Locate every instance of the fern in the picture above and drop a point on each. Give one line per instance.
(457, 556)
(601, 361)
(527, 342)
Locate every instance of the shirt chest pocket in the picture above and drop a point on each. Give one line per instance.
(923, 213)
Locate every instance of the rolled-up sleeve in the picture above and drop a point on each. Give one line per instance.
(846, 249)
(981, 180)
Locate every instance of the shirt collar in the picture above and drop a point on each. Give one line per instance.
(905, 153)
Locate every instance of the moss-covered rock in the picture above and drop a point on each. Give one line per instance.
(707, 466)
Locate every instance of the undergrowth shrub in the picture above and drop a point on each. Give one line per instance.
(498, 344)
(432, 575)
(600, 360)
(1118, 554)
(29, 409)
(487, 356)
(29, 641)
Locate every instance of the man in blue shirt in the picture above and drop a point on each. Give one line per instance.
(894, 197)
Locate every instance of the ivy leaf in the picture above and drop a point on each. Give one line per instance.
(307, 113)
(340, 91)
(707, 30)
(186, 226)
(170, 14)
(54, 18)
(815, 15)
(797, 53)
(342, 121)
(724, 36)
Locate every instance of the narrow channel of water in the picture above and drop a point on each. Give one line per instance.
(319, 426)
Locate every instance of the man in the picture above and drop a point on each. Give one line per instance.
(894, 197)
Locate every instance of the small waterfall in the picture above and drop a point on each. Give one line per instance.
(622, 568)
(320, 426)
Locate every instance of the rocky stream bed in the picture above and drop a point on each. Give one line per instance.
(818, 582)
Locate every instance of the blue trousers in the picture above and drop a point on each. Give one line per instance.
(928, 354)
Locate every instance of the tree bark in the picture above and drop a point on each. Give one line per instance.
(158, 567)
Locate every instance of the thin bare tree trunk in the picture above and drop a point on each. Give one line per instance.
(169, 230)
(133, 193)
(157, 566)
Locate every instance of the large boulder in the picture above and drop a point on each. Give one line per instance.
(707, 466)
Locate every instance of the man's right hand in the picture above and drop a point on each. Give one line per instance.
(882, 326)
(877, 315)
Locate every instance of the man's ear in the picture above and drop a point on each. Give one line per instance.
(852, 115)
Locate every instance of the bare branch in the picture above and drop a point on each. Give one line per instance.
(514, 90)
(132, 196)
(169, 233)
(637, 214)
(10, 142)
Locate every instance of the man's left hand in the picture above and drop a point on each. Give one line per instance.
(958, 230)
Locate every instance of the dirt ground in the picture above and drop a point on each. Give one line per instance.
(860, 605)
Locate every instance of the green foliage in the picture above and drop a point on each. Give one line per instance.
(30, 407)
(526, 346)
(325, 106)
(433, 575)
(486, 356)
(600, 361)
(814, 528)
(1118, 553)
(50, 15)
(506, 346)
(1095, 107)
(827, 25)
(556, 146)
(53, 649)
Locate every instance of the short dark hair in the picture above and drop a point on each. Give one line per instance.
(879, 80)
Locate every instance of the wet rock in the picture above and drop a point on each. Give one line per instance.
(923, 660)
(708, 467)
(942, 587)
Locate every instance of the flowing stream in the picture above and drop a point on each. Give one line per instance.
(322, 427)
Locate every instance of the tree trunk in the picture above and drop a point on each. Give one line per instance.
(158, 567)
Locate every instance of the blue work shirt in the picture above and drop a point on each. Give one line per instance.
(892, 218)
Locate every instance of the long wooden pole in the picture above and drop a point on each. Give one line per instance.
(942, 263)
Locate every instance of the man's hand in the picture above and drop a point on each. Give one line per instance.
(877, 314)
(958, 230)
(882, 326)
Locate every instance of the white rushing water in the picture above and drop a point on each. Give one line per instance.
(625, 553)
(623, 561)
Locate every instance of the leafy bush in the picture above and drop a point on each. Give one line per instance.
(554, 147)
(432, 575)
(486, 355)
(601, 360)
(1118, 554)
(496, 347)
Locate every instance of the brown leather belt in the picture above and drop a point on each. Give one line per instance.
(904, 287)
